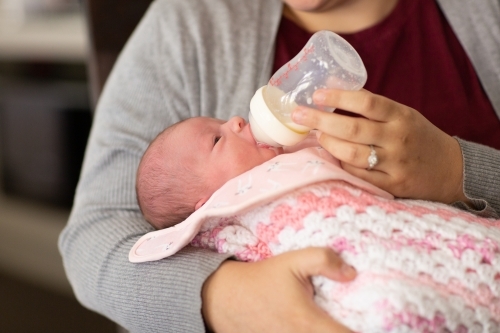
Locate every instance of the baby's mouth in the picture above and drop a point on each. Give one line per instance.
(277, 150)
(264, 145)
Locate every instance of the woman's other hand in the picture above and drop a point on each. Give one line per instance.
(273, 295)
(415, 158)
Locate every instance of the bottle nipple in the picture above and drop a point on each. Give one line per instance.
(267, 128)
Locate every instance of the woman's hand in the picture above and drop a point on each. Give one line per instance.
(415, 158)
(273, 295)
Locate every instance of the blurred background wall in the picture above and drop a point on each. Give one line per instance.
(44, 122)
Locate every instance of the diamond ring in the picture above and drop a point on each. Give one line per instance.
(372, 159)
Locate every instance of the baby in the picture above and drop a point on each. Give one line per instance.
(422, 266)
(186, 163)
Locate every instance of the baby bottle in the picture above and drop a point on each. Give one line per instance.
(326, 61)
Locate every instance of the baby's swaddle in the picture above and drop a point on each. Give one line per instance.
(422, 266)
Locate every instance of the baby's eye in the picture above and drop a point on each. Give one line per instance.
(217, 138)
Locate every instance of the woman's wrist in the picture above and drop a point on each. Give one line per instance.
(454, 191)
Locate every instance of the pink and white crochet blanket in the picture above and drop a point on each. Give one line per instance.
(422, 266)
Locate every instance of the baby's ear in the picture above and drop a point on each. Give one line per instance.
(200, 203)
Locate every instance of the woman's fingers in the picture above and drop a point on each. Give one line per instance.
(353, 129)
(378, 178)
(415, 159)
(315, 261)
(362, 102)
(355, 160)
(355, 154)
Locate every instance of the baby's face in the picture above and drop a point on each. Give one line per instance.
(218, 150)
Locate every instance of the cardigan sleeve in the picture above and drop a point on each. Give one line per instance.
(481, 179)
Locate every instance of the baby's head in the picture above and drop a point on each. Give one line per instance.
(187, 162)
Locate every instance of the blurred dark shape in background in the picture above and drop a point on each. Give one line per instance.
(44, 125)
(45, 117)
(55, 56)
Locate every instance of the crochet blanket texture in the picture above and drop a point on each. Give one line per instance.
(422, 266)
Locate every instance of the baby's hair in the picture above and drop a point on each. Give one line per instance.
(166, 188)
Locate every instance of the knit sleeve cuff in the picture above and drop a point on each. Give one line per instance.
(481, 179)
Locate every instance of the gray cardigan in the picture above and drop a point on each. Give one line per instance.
(190, 58)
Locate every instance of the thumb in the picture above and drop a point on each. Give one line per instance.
(322, 261)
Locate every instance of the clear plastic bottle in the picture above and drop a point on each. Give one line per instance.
(326, 61)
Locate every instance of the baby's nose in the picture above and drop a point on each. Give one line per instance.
(236, 123)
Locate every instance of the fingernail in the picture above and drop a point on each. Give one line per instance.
(348, 271)
(319, 97)
(318, 134)
(298, 115)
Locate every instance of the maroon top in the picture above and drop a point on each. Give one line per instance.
(414, 58)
